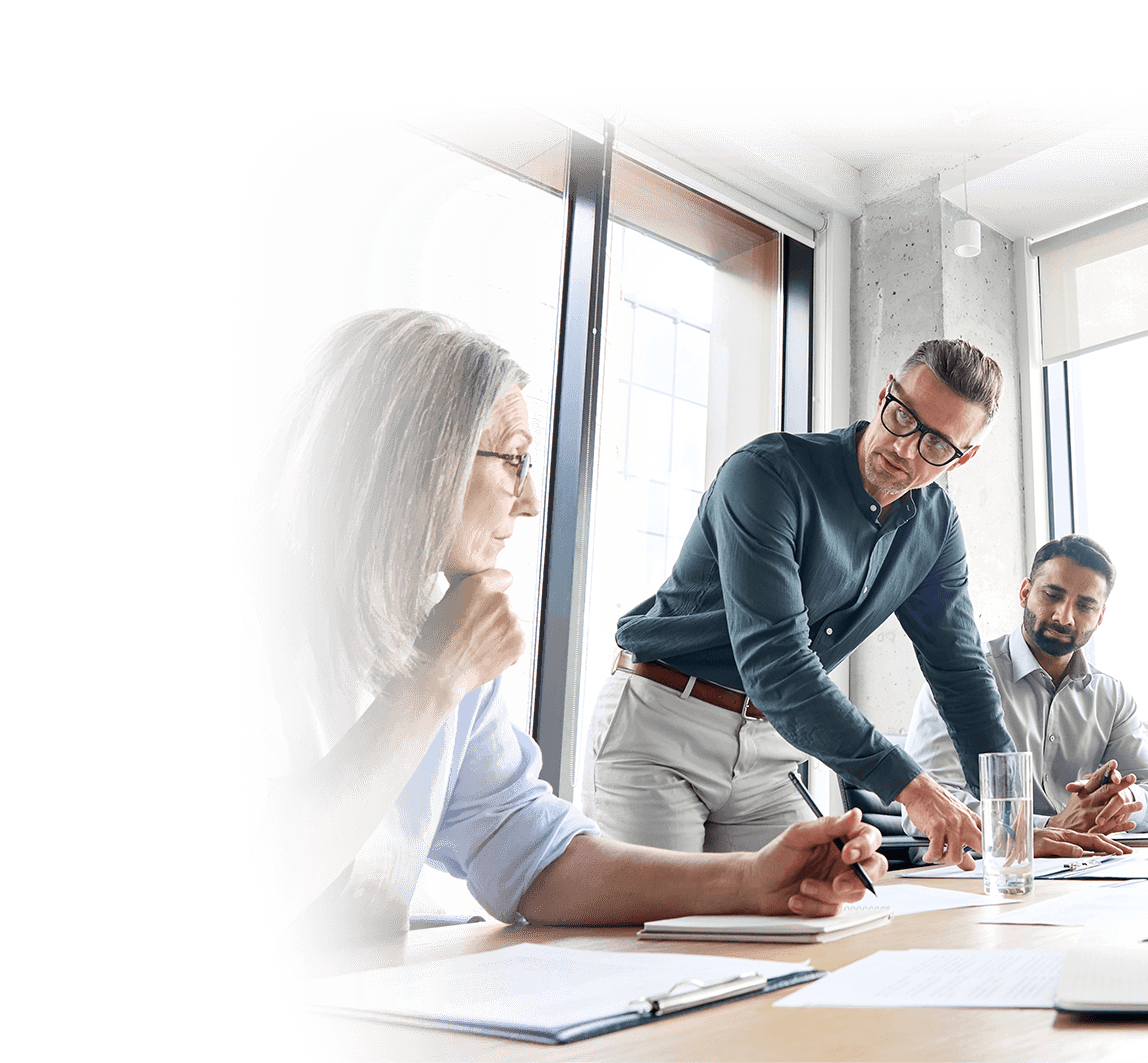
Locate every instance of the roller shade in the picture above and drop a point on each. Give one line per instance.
(1094, 292)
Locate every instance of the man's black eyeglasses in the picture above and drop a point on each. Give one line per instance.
(901, 421)
(520, 462)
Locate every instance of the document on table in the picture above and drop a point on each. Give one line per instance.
(938, 978)
(1119, 929)
(1112, 901)
(1134, 865)
(546, 994)
(909, 900)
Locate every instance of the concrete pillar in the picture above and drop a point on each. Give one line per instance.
(908, 286)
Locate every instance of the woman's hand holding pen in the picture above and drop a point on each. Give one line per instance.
(803, 872)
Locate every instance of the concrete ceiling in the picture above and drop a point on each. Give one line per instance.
(1031, 171)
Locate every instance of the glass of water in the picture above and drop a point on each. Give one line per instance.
(1006, 823)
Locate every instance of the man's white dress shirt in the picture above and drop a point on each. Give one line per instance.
(1070, 732)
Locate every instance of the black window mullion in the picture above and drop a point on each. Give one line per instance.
(566, 531)
(1058, 436)
(797, 336)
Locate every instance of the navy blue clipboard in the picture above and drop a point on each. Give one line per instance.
(580, 1031)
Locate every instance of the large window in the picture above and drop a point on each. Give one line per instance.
(405, 221)
(691, 369)
(651, 318)
(1094, 317)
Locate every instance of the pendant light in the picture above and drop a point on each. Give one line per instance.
(967, 231)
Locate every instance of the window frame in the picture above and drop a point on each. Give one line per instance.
(583, 168)
(1088, 243)
(571, 462)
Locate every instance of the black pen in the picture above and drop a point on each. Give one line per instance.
(858, 870)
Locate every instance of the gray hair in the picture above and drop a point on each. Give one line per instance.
(959, 365)
(367, 482)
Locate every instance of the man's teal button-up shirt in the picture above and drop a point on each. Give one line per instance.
(787, 568)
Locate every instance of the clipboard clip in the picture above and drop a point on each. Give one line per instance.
(1079, 866)
(703, 993)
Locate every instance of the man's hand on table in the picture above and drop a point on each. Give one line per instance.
(948, 824)
(1101, 803)
(1053, 841)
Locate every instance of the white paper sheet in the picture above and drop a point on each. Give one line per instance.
(944, 871)
(1116, 900)
(1116, 930)
(909, 899)
(938, 978)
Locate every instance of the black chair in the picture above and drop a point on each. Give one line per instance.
(900, 849)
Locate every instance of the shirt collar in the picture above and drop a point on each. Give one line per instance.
(1024, 663)
(903, 509)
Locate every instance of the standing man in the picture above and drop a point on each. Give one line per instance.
(803, 545)
(1080, 725)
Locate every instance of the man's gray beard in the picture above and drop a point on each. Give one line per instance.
(876, 475)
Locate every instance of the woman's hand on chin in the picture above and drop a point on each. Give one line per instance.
(472, 635)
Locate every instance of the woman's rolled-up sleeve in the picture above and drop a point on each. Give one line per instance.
(501, 824)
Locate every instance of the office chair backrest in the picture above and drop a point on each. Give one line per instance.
(885, 816)
(901, 850)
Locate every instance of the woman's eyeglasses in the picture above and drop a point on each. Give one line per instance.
(521, 464)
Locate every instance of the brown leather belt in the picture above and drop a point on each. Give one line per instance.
(661, 673)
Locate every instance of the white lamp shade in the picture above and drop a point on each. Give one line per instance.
(967, 234)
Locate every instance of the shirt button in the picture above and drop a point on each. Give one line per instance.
(872, 509)
(1052, 738)
(829, 631)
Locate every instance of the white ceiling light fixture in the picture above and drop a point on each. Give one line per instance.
(966, 232)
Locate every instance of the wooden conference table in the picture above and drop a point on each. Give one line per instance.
(753, 1029)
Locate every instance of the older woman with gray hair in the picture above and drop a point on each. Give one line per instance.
(405, 465)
